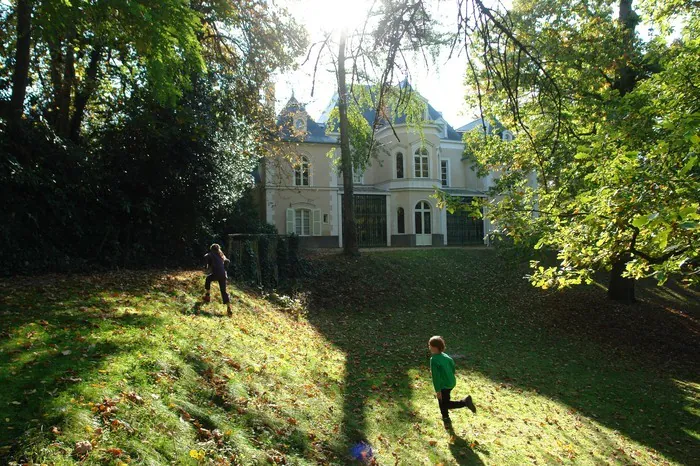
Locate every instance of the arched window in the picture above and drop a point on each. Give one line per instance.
(399, 165)
(400, 222)
(420, 163)
(423, 218)
(301, 172)
(507, 136)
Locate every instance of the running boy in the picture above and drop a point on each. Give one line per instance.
(442, 369)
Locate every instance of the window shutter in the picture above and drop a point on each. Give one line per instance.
(317, 222)
(290, 221)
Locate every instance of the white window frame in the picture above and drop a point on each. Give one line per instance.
(315, 221)
(299, 168)
(447, 172)
(418, 153)
(429, 210)
(507, 136)
(358, 179)
(299, 217)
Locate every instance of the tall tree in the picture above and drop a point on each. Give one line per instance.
(592, 107)
(350, 245)
(376, 51)
(20, 75)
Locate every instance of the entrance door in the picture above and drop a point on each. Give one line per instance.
(424, 234)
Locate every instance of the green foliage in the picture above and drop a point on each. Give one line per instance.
(616, 161)
(142, 129)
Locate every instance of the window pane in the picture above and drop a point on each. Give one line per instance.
(419, 225)
(400, 221)
(399, 165)
(305, 177)
(307, 222)
(416, 162)
(425, 166)
(426, 222)
(443, 167)
(297, 222)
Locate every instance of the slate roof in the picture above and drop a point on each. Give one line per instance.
(315, 133)
(369, 114)
(476, 124)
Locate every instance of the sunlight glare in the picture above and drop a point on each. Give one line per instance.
(333, 15)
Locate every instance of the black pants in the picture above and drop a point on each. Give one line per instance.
(446, 403)
(222, 286)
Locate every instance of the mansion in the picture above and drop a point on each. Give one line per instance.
(301, 188)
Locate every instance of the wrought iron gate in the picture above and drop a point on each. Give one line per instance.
(370, 220)
(463, 229)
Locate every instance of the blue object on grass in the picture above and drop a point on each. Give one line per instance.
(361, 451)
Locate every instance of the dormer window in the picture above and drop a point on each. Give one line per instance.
(299, 124)
(507, 136)
(301, 172)
(357, 176)
(442, 126)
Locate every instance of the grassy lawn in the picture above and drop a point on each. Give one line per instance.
(122, 361)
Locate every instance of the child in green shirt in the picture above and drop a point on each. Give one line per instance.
(442, 369)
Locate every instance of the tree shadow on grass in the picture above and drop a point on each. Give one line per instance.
(588, 354)
(380, 350)
(51, 339)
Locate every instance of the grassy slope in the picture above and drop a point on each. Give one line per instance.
(121, 361)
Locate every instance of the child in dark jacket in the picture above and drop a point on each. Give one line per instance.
(442, 369)
(216, 263)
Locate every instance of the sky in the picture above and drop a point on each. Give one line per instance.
(442, 84)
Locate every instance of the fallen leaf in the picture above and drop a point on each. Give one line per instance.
(82, 448)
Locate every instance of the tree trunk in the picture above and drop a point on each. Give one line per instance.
(20, 76)
(626, 78)
(63, 99)
(349, 233)
(55, 66)
(83, 96)
(621, 288)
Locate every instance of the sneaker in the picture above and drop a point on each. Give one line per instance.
(470, 404)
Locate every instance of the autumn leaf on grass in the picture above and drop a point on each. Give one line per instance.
(115, 451)
(82, 448)
(432, 442)
(134, 397)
